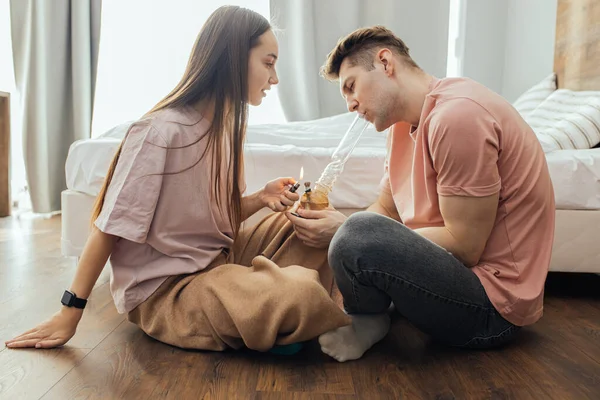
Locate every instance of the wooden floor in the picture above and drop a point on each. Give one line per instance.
(109, 358)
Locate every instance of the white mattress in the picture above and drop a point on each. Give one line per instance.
(280, 150)
(576, 178)
(271, 151)
(575, 242)
(575, 246)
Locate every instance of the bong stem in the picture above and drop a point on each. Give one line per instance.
(342, 153)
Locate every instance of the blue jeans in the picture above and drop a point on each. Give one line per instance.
(377, 260)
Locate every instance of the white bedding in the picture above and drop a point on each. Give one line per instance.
(576, 178)
(574, 249)
(280, 150)
(271, 151)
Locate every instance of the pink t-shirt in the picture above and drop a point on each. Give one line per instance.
(159, 205)
(471, 142)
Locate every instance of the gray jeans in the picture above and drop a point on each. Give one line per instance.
(377, 260)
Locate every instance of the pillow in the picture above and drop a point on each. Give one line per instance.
(568, 120)
(533, 97)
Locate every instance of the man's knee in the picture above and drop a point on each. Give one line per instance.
(367, 234)
(354, 238)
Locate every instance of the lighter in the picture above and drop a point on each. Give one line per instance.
(294, 210)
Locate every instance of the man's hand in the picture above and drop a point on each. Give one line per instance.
(316, 228)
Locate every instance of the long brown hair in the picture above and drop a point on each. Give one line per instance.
(217, 71)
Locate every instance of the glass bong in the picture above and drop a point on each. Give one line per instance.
(318, 198)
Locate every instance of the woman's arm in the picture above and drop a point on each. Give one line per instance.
(61, 326)
(93, 259)
(252, 204)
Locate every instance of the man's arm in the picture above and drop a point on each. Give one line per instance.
(468, 223)
(385, 205)
(464, 146)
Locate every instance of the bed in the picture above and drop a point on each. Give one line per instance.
(281, 150)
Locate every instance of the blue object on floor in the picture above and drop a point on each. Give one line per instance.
(287, 349)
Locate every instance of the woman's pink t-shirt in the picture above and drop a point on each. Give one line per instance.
(159, 205)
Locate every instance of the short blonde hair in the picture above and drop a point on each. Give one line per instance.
(360, 47)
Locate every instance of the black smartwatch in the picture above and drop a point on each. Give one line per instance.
(70, 299)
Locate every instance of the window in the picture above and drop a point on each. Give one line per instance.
(456, 37)
(144, 48)
(7, 84)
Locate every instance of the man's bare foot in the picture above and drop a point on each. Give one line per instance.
(350, 342)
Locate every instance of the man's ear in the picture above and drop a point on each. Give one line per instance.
(385, 57)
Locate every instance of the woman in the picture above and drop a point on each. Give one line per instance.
(170, 211)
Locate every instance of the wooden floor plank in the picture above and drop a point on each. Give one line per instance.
(129, 364)
(28, 374)
(302, 396)
(302, 374)
(557, 358)
(99, 318)
(562, 363)
(581, 328)
(383, 373)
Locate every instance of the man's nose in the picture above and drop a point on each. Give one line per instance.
(352, 105)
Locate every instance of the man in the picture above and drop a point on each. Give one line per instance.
(460, 238)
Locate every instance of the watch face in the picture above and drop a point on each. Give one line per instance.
(67, 298)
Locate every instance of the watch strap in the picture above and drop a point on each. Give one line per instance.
(70, 299)
(79, 303)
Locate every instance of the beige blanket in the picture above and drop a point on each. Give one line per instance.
(270, 290)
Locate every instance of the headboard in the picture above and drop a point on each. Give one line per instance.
(577, 45)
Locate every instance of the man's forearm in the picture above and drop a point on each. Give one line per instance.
(379, 209)
(251, 204)
(444, 238)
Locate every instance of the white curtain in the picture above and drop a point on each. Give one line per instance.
(55, 47)
(7, 84)
(309, 29)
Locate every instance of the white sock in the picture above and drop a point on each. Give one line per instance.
(350, 342)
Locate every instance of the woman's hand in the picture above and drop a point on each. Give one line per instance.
(53, 333)
(277, 196)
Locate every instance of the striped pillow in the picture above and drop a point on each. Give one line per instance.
(532, 98)
(568, 120)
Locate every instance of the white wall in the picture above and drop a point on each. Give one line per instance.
(529, 55)
(509, 44)
(484, 42)
(422, 25)
(310, 30)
